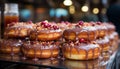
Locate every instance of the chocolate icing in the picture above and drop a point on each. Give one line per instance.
(36, 45)
(11, 43)
(81, 46)
(17, 28)
(78, 31)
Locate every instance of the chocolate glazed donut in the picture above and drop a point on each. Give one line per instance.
(46, 32)
(69, 34)
(45, 35)
(37, 49)
(81, 51)
(10, 46)
(18, 30)
(104, 44)
(80, 33)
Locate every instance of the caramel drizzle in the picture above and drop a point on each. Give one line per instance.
(78, 50)
(51, 50)
(93, 50)
(35, 55)
(102, 46)
(41, 52)
(99, 33)
(88, 34)
(70, 50)
(24, 57)
(63, 50)
(36, 35)
(86, 54)
(95, 36)
(12, 53)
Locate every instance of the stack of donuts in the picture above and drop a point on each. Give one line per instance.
(78, 41)
(43, 42)
(112, 36)
(32, 40)
(86, 41)
(14, 33)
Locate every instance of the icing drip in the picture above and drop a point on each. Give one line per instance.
(102, 41)
(10, 43)
(89, 28)
(41, 46)
(93, 53)
(22, 25)
(86, 55)
(81, 46)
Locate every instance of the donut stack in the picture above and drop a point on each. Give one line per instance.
(108, 36)
(80, 43)
(86, 41)
(43, 41)
(112, 35)
(102, 39)
(33, 40)
(14, 34)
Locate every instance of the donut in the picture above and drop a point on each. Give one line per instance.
(80, 51)
(46, 32)
(110, 28)
(81, 31)
(10, 46)
(18, 30)
(104, 43)
(114, 40)
(35, 49)
(101, 29)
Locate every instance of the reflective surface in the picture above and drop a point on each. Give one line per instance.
(99, 63)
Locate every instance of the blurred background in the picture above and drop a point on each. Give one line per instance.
(61, 10)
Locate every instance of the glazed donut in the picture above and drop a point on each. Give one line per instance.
(110, 28)
(46, 32)
(20, 29)
(81, 51)
(114, 40)
(101, 29)
(10, 46)
(35, 49)
(104, 43)
(81, 32)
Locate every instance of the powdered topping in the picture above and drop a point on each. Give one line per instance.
(89, 46)
(89, 28)
(21, 25)
(100, 27)
(112, 35)
(102, 41)
(109, 26)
